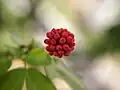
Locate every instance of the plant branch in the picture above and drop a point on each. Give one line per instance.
(46, 73)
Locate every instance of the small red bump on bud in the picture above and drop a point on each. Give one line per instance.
(70, 34)
(53, 41)
(71, 49)
(69, 40)
(61, 53)
(53, 29)
(65, 34)
(58, 47)
(73, 40)
(50, 53)
(55, 53)
(59, 31)
(48, 48)
(49, 35)
(62, 40)
(47, 41)
(53, 33)
(56, 36)
(72, 44)
(67, 53)
(66, 47)
(62, 29)
(65, 30)
(52, 48)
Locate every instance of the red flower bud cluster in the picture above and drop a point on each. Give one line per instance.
(60, 42)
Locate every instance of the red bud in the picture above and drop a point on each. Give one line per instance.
(62, 40)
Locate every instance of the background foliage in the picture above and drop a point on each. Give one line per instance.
(23, 24)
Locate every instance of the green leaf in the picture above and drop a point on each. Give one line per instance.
(37, 81)
(5, 64)
(21, 35)
(6, 40)
(13, 80)
(96, 46)
(38, 57)
(112, 36)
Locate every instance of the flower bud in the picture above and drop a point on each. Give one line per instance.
(62, 40)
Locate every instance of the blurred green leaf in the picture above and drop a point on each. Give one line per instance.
(13, 80)
(113, 38)
(96, 46)
(7, 16)
(38, 56)
(5, 64)
(21, 36)
(10, 15)
(72, 79)
(35, 80)
(6, 40)
(51, 69)
(108, 42)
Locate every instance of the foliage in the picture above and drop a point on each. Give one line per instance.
(105, 43)
(34, 56)
(17, 42)
(34, 79)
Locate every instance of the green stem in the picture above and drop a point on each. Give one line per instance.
(45, 69)
(70, 75)
(25, 64)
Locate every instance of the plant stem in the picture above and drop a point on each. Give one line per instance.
(25, 64)
(70, 75)
(46, 73)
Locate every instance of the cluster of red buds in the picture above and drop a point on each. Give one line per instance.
(60, 42)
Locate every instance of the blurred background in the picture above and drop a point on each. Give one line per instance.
(91, 66)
